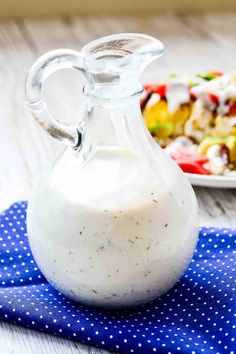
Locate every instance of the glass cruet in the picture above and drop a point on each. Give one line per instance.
(112, 222)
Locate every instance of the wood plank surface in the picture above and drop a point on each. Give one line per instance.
(194, 43)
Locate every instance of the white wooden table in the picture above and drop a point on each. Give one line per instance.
(194, 44)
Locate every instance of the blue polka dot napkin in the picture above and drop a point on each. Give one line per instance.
(196, 316)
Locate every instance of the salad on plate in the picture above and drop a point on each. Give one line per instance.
(194, 119)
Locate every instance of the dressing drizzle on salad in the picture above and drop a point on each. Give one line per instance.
(194, 119)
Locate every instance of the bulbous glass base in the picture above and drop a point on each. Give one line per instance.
(103, 248)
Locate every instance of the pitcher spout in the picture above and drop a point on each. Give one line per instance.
(118, 60)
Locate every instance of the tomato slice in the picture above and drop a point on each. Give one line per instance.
(191, 167)
(190, 162)
(184, 155)
(214, 98)
(159, 89)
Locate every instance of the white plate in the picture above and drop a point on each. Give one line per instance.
(212, 181)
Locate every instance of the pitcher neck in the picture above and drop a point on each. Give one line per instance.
(112, 95)
(113, 86)
(112, 123)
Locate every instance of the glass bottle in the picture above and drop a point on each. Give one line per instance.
(113, 221)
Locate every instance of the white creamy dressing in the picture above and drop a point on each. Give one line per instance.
(177, 93)
(112, 233)
(181, 142)
(223, 87)
(198, 125)
(155, 97)
(217, 163)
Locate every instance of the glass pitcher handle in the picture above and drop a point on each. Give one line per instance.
(46, 65)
